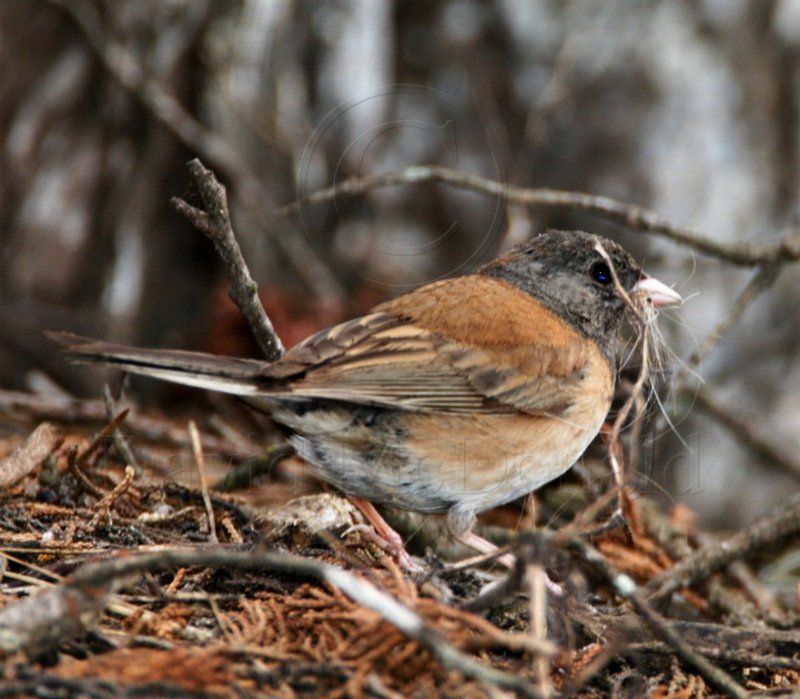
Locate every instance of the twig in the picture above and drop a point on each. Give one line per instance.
(498, 592)
(105, 573)
(625, 587)
(762, 280)
(742, 430)
(104, 505)
(214, 222)
(629, 215)
(239, 510)
(119, 62)
(74, 411)
(120, 443)
(28, 455)
(105, 432)
(23, 563)
(741, 657)
(234, 536)
(246, 472)
(607, 653)
(215, 610)
(77, 471)
(642, 313)
(584, 522)
(709, 559)
(197, 451)
(156, 518)
(639, 312)
(756, 637)
(177, 581)
(536, 577)
(77, 461)
(757, 590)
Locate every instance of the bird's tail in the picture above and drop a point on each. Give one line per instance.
(241, 377)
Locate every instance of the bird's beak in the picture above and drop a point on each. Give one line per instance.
(657, 293)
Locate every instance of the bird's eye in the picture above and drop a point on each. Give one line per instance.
(601, 273)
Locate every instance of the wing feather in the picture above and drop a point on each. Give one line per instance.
(392, 362)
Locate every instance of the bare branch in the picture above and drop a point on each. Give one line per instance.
(743, 657)
(197, 451)
(26, 457)
(625, 587)
(104, 505)
(536, 578)
(249, 470)
(120, 443)
(169, 111)
(629, 215)
(76, 461)
(709, 559)
(762, 280)
(199, 219)
(214, 222)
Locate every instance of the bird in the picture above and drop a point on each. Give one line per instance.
(461, 395)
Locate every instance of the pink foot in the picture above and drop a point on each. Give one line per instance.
(384, 536)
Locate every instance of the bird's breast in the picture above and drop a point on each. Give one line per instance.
(493, 459)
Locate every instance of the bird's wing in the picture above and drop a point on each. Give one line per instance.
(393, 358)
(463, 345)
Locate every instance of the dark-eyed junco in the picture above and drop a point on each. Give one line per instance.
(459, 396)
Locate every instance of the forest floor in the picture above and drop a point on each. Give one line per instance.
(148, 581)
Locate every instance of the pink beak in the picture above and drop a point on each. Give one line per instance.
(658, 293)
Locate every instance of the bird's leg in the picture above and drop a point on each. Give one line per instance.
(460, 523)
(387, 534)
(487, 547)
(481, 545)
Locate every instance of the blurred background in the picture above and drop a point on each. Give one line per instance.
(687, 108)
